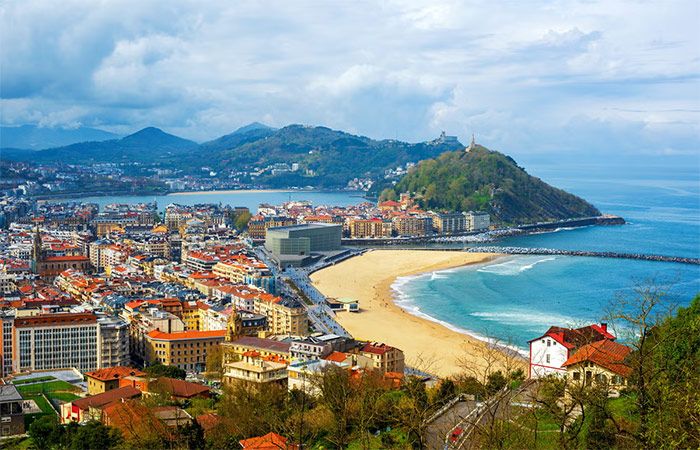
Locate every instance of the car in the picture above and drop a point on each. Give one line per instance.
(456, 434)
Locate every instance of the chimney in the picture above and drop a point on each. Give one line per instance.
(604, 326)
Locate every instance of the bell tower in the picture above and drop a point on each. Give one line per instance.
(36, 249)
(234, 326)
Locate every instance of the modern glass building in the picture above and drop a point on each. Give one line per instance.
(303, 239)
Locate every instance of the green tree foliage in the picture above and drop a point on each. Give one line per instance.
(675, 393)
(241, 222)
(162, 370)
(48, 433)
(484, 180)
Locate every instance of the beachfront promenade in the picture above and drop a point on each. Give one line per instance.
(320, 315)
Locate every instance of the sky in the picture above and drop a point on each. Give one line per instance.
(526, 77)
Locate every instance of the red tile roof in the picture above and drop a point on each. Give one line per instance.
(573, 338)
(114, 373)
(605, 353)
(180, 388)
(208, 421)
(105, 398)
(377, 349)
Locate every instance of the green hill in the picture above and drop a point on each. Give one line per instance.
(327, 158)
(485, 180)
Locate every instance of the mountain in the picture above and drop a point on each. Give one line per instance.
(485, 180)
(144, 146)
(32, 137)
(326, 158)
(253, 126)
(243, 135)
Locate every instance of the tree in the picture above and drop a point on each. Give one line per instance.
(46, 432)
(192, 436)
(636, 319)
(214, 363)
(388, 194)
(241, 221)
(94, 435)
(161, 370)
(336, 396)
(675, 393)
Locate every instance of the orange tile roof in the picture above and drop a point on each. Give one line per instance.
(271, 441)
(66, 258)
(605, 353)
(337, 357)
(159, 335)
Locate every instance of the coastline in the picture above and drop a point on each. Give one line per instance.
(428, 345)
(233, 191)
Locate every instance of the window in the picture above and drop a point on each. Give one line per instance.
(548, 358)
(577, 376)
(549, 344)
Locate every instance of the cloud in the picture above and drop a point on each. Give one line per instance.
(526, 78)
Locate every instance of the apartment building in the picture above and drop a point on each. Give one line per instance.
(384, 357)
(186, 350)
(370, 228)
(284, 316)
(52, 341)
(450, 222)
(114, 341)
(413, 225)
(8, 321)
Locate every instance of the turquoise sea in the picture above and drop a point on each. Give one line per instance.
(517, 298)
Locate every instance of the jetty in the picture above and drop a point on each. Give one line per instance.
(551, 251)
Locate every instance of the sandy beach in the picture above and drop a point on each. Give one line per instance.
(427, 345)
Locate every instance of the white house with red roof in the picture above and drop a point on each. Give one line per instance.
(549, 352)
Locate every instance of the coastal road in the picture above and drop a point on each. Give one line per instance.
(439, 429)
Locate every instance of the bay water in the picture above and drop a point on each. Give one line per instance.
(517, 298)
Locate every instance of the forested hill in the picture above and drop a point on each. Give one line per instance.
(485, 180)
(326, 158)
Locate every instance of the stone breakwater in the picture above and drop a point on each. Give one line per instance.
(550, 251)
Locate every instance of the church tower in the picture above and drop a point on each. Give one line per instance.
(234, 326)
(36, 250)
(472, 145)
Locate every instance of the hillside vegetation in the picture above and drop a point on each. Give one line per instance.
(485, 180)
(327, 158)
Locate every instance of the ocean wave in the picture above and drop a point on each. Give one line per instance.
(514, 266)
(407, 302)
(532, 320)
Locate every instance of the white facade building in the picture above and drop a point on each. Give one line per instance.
(550, 351)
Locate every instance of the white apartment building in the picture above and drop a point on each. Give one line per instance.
(53, 341)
